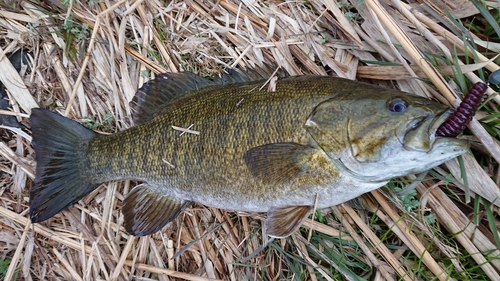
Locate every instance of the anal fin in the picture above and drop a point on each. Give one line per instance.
(281, 222)
(147, 211)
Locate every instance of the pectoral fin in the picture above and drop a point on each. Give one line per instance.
(281, 222)
(278, 162)
(146, 211)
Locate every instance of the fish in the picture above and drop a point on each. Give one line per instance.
(230, 143)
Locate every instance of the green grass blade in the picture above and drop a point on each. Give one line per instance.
(491, 221)
(487, 16)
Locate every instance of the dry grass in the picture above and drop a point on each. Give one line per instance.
(89, 57)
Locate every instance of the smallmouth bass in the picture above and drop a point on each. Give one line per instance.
(248, 149)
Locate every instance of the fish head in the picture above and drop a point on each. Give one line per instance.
(379, 137)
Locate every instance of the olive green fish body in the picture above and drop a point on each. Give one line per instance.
(239, 146)
(209, 167)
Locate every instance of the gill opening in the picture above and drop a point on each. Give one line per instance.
(343, 168)
(348, 139)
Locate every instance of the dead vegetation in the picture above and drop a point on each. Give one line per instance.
(86, 59)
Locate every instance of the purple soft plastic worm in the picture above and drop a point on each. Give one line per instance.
(464, 113)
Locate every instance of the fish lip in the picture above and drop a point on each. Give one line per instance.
(421, 133)
(439, 121)
(438, 141)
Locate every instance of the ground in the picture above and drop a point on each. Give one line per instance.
(86, 59)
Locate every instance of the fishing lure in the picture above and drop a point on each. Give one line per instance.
(464, 113)
(467, 108)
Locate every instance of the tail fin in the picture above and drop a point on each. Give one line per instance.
(60, 145)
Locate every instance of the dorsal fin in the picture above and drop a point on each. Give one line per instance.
(155, 96)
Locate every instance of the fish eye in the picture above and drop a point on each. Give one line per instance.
(397, 105)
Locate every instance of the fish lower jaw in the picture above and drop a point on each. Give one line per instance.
(455, 147)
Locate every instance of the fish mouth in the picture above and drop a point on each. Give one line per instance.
(421, 135)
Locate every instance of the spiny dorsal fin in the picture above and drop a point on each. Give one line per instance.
(157, 96)
(281, 222)
(147, 211)
(278, 163)
(153, 98)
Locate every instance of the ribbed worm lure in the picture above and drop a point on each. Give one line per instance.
(467, 108)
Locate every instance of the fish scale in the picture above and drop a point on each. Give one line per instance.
(275, 152)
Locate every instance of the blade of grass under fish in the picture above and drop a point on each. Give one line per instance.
(414, 183)
(419, 248)
(376, 243)
(477, 209)
(491, 221)
(286, 254)
(468, 235)
(463, 173)
(181, 251)
(258, 250)
(346, 272)
(314, 267)
(490, 117)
